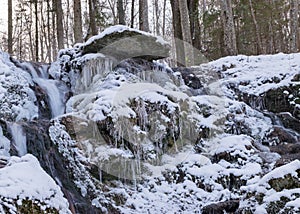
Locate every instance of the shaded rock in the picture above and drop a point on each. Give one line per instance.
(190, 79)
(288, 152)
(280, 135)
(222, 207)
(289, 121)
(40, 145)
(296, 78)
(121, 42)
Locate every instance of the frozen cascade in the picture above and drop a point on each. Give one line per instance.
(50, 86)
(95, 66)
(19, 138)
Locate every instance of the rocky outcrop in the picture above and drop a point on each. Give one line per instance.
(121, 42)
(221, 208)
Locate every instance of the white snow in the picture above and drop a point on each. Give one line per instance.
(257, 73)
(23, 178)
(17, 100)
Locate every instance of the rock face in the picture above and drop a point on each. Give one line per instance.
(121, 42)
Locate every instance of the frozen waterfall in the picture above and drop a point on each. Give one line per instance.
(19, 138)
(50, 86)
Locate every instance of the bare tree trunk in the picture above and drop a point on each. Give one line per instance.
(195, 29)
(257, 31)
(164, 18)
(143, 15)
(36, 31)
(157, 15)
(121, 12)
(294, 25)
(186, 33)
(132, 14)
(49, 49)
(54, 31)
(180, 55)
(59, 24)
(10, 28)
(229, 30)
(77, 21)
(92, 17)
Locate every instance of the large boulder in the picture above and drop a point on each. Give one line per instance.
(121, 42)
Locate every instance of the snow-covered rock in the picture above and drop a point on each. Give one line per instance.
(26, 187)
(122, 42)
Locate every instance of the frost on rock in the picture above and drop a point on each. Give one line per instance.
(17, 99)
(25, 187)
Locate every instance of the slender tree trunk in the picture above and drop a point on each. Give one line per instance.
(54, 30)
(59, 24)
(180, 55)
(143, 15)
(229, 30)
(10, 28)
(49, 49)
(132, 14)
(36, 31)
(195, 29)
(92, 17)
(121, 12)
(294, 25)
(186, 33)
(77, 21)
(257, 31)
(157, 15)
(164, 18)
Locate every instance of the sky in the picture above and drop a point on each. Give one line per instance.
(3, 15)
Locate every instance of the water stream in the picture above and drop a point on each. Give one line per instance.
(55, 96)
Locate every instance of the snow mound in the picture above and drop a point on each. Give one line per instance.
(257, 74)
(23, 180)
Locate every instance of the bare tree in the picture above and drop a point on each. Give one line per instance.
(59, 24)
(77, 21)
(132, 13)
(186, 33)
(143, 15)
(36, 30)
(164, 18)
(177, 33)
(92, 17)
(257, 31)
(294, 33)
(10, 28)
(228, 27)
(121, 12)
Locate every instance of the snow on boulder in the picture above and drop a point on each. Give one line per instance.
(121, 42)
(26, 187)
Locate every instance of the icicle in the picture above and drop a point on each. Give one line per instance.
(92, 67)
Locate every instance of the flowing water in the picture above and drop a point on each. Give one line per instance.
(50, 86)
